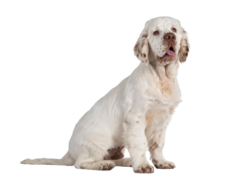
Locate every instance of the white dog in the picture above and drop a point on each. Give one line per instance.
(136, 113)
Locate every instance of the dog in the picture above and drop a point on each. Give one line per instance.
(135, 114)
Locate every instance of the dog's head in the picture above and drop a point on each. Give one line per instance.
(162, 41)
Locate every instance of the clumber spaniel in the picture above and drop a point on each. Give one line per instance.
(136, 113)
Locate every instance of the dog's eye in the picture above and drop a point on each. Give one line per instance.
(156, 33)
(174, 29)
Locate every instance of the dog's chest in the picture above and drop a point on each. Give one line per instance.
(163, 99)
(166, 92)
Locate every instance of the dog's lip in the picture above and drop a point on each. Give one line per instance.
(162, 56)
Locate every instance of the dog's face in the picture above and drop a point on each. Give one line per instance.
(163, 41)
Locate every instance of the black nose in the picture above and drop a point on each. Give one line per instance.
(169, 37)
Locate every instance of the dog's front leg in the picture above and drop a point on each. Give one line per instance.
(136, 143)
(155, 147)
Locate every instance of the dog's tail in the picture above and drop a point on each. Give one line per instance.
(67, 160)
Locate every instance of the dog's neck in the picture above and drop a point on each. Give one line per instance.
(167, 72)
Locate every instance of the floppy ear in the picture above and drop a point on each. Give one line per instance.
(184, 47)
(141, 48)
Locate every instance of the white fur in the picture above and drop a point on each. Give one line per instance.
(135, 114)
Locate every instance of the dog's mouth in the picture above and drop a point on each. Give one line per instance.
(170, 52)
(168, 57)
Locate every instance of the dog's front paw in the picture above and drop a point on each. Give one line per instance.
(144, 168)
(163, 164)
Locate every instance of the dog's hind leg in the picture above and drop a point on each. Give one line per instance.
(93, 161)
(125, 162)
